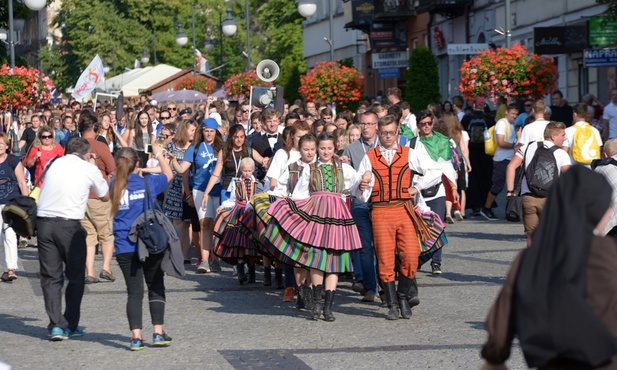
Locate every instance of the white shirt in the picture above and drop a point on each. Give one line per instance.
(505, 128)
(279, 171)
(533, 132)
(571, 131)
(446, 169)
(610, 114)
(418, 160)
(352, 179)
(561, 158)
(410, 121)
(66, 187)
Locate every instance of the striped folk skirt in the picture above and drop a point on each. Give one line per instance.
(230, 242)
(317, 232)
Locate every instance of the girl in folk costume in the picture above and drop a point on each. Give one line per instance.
(230, 244)
(314, 227)
(308, 147)
(257, 220)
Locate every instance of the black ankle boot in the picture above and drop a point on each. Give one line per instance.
(402, 294)
(327, 306)
(413, 300)
(278, 278)
(301, 302)
(267, 276)
(251, 279)
(391, 299)
(309, 300)
(317, 301)
(241, 275)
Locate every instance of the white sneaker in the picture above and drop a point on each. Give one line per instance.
(203, 268)
(458, 215)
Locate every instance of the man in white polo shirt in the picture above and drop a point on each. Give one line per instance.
(535, 130)
(61, 238)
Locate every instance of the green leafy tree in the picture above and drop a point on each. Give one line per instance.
(422, 79)
(611, 11)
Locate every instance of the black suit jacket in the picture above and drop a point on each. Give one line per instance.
(262, 146)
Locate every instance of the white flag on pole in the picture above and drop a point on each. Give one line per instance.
(92, 75)
(201, 61)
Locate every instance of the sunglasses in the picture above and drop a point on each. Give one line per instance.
(171, 108)
(166, 117)
(46, 137)
(426, 123)
(528, 105)
(245, 110)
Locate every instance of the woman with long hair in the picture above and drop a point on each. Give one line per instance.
(201, 158)
(108, 132)
(315, 223)
(176, 207)
(454, 130)
(140, 136)
(44, 148)
(127, 194)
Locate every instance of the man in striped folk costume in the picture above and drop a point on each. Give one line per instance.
(392, 195)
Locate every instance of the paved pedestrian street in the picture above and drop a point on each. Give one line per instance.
(218, 324)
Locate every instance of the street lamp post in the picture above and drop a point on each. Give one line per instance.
(307, 8)
(32, 5)
(248, 38)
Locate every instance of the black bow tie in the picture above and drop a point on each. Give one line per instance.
(271, 136)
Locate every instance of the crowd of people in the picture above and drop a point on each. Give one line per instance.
(308, 192)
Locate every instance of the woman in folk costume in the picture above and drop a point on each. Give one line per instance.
(314, 227)
(308, 147)
(277, 175)
(230, 244)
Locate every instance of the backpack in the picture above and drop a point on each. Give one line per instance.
(490, 139)
(584, 146)
(476, 129)
(151, 231)
(542, 171)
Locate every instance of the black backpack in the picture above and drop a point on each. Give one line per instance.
(542, 170)
(476, 129)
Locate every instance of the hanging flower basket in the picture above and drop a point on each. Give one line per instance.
(239, 85)
(21, 86)
(332, 83)
(203, 85)
(513, 72)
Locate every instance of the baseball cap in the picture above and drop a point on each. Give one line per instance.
(210, 123)
(480, 100)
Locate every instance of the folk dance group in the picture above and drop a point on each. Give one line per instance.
(305, 220)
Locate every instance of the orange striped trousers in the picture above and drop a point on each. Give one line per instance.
(392, 228)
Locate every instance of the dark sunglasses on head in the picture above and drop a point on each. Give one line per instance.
(46, 137)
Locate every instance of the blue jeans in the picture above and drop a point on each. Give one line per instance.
(438, 205)
(364, 259)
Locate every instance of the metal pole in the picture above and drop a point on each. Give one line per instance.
(331, 33)
(113, 59)
(248, 38)
(155, 61)
(508, 17)
(193, 29)
(221, 44)
(11, 41)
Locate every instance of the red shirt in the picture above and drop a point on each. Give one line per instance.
(41, 162)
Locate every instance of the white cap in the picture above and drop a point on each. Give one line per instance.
(153, 103)
(216, 117)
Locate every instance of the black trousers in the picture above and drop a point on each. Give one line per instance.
(135, 271)
(62, 252)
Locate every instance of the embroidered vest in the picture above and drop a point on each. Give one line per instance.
(391, 182)
(244, 193)
(324, 180)
(295, 171)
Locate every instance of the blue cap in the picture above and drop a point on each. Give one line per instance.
(210, 123)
